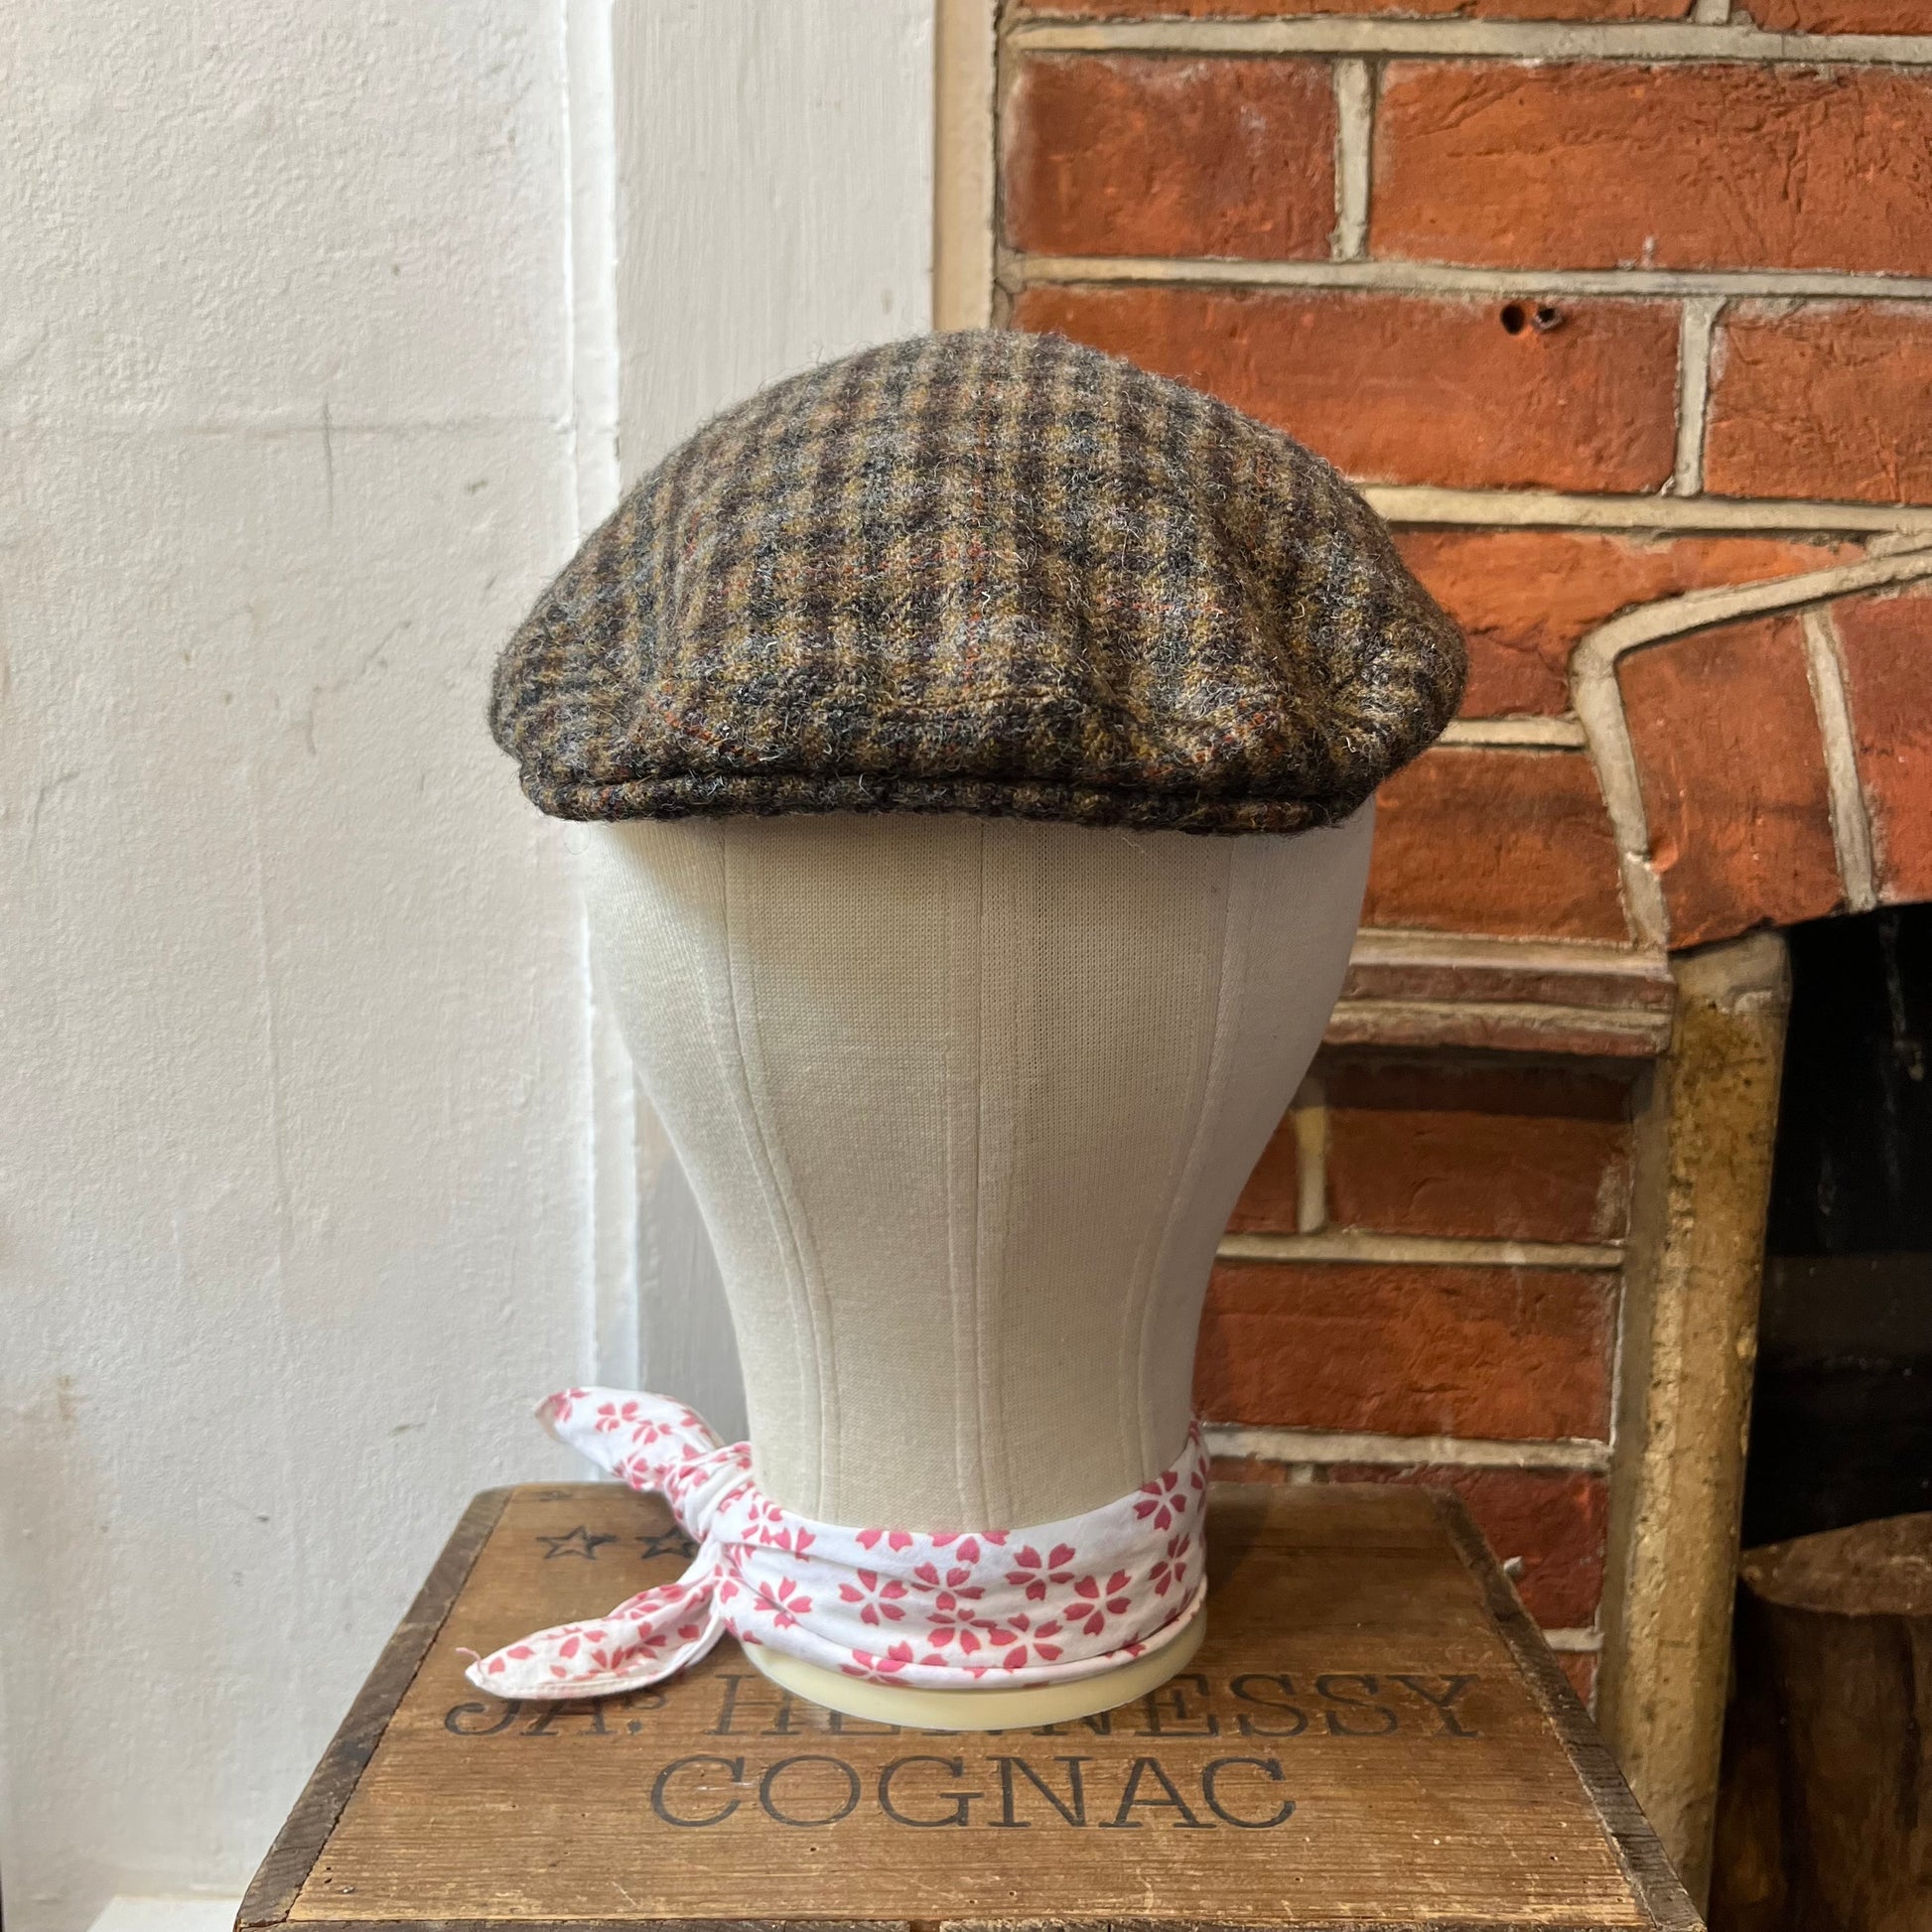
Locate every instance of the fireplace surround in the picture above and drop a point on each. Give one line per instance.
(1645, 404)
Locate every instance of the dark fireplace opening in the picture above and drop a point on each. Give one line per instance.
(1842, 1414)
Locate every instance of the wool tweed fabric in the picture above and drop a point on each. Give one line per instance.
(981, 572)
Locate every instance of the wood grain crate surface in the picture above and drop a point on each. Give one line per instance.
(1373, 1735)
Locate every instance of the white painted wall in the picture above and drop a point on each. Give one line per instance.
(318, 1160)
(775, 209)
(294, 1208)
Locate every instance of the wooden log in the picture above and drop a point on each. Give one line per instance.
(1825, 1823)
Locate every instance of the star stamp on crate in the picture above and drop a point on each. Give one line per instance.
(1373, 1738)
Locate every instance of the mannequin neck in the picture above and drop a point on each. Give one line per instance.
(965, 1104)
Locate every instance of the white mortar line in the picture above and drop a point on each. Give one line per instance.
(1598, 701)
(1354, 133)
(1583, 1642)
(1648, 41)
(1534, 509)
(1427, 1250)
(1699, 320)
(1542, 732)
(1644, 1030)
(1850, 822)
(1447, 278)
(1892, 543)
(1392, 947)
(1318, 1445)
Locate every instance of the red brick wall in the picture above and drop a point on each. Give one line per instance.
(1472, 1342)
(1609, 313)
(1622, 312)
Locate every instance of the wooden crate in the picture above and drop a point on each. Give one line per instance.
(1373, 1735)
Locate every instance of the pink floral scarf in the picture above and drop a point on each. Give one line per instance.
(942, 1609)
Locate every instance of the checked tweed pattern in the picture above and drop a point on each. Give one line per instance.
(984, 572)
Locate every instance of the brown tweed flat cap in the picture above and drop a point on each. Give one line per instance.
(985, 572)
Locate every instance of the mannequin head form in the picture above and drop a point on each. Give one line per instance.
(977, 734)
(966, 1103)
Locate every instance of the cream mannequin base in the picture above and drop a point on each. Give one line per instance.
(1024, 1709)
(966, 1103)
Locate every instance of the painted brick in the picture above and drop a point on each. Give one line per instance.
(1409, 1351)
(1733, 780)
(1556, 1521)
(1525, 598)
(1130, 156)
(1460, 1148)
(1579, 1666)
(1820, 399)
(1691, 166)
(1838, 15)
(1397, 388)
(1515, 843)
(1388, 9)
(1885, 646)
(1270, 1203)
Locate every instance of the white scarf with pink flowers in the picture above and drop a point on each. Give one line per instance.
(941, 1609)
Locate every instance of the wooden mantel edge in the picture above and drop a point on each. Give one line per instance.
(1524, 996)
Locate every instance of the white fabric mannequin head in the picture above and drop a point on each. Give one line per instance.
(965, 1103)
(965, 1085)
